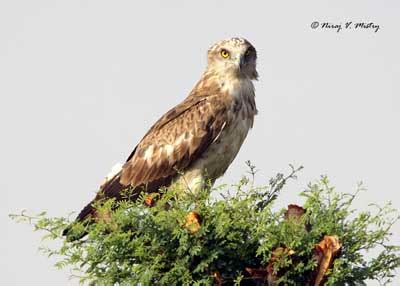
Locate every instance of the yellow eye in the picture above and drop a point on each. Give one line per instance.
(247, 53)
(225, 54)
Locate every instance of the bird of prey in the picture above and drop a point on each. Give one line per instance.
(197, 140)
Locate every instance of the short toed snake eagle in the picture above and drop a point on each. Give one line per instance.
(198, 139)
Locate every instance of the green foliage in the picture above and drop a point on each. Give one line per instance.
(144, 245)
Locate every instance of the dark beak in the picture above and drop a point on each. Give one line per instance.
(242, 62)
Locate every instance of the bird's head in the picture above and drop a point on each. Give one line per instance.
(234, 56)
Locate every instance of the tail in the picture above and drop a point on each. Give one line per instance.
(112, 189)
(88, 215)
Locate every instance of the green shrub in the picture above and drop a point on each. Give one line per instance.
(237, 230)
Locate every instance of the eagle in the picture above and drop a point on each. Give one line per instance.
(195, 142)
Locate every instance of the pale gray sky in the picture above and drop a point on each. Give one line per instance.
(82, 81)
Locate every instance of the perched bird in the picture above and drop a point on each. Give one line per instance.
(198, 139)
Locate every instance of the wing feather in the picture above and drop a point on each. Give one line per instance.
(176, 140)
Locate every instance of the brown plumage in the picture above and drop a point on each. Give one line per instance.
(197, 139)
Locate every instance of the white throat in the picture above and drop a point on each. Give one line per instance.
(238, 87)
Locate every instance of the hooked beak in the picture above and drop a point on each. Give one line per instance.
(242, 62)
(243, 69)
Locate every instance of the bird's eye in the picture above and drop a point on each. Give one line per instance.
(225, 54)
